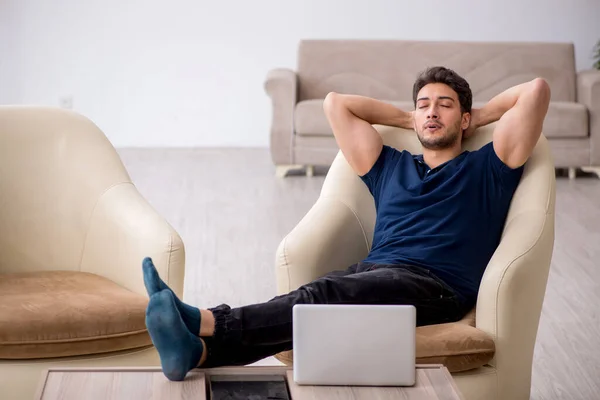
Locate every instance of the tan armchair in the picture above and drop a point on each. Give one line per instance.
(338, 231)
(73, 233)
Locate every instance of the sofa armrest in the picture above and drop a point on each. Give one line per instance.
(282, 86)
(588, 94)
(124, 228)
(329, 237)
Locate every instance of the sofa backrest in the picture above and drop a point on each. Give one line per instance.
(387, 69)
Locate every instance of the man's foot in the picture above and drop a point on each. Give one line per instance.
(153, 283)
(180, 351)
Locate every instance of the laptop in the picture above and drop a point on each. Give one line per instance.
(354, 345)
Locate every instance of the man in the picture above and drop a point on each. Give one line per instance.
(439, 220)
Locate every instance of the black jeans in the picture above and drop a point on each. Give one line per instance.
(250, 333)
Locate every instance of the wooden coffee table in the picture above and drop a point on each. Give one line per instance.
(433, 382)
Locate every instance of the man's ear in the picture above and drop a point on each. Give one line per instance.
(466, 121)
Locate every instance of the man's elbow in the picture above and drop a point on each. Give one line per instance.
(541, 90)
(332, 101)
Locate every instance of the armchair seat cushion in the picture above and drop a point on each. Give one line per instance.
(63, 313)
(564, 119)
(458, 345)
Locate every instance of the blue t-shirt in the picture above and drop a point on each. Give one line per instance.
(448, 219)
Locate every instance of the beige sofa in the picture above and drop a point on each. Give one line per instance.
(338, 230)
(73, 233)
(386, 70)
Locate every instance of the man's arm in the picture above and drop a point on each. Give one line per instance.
(351, 118)
(520, 112)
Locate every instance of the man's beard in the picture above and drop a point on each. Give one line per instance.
(438, 142)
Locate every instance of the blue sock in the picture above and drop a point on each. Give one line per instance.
(179, 350)
(153, 283)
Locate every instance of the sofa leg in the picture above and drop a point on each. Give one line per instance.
(595, 170)
(572, 172)
(282, 170)
(310, 170)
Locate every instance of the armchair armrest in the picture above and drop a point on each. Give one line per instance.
(513, 287)
(124, 229)
(282, 86)
(588, 94)
(335, 233)
(329, 237)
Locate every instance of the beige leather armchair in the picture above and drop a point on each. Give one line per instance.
(338, 231)
(73, 233)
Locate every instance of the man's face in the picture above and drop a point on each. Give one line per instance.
(438, 119)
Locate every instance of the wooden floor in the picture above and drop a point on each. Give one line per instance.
(232, 212)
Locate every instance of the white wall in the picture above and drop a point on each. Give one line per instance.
(191, 73)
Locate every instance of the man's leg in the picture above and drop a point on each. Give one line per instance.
(191, 315)
(247, 334)
(174, 328)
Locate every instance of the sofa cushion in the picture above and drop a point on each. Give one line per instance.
(310, 120)
(458, 345)
(564, 119)
(63, 313)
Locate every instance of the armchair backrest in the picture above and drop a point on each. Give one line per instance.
(54, 166)
(386, 69)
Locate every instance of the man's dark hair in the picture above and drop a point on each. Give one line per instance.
(448, 77)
